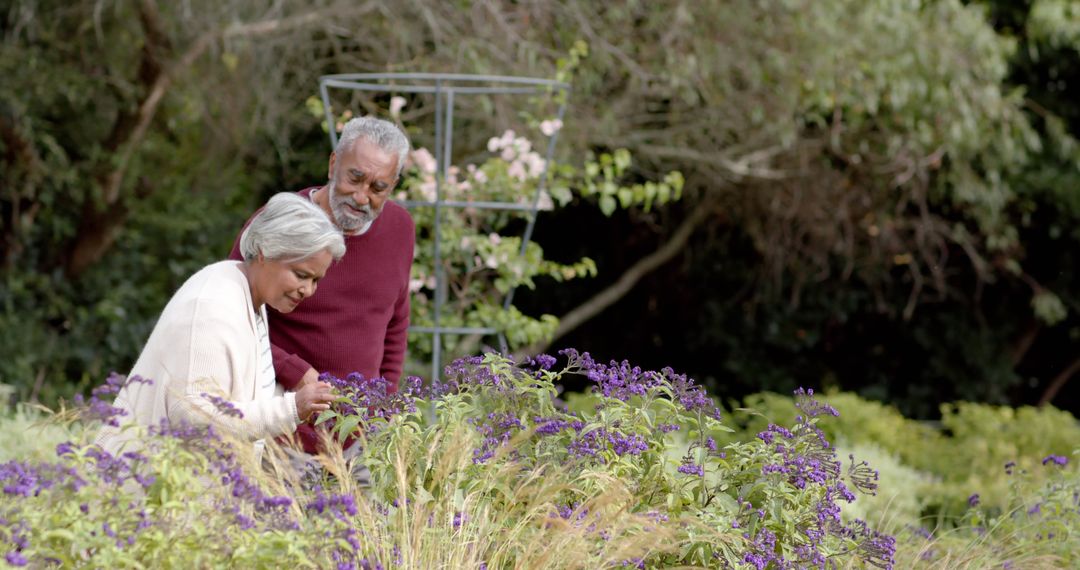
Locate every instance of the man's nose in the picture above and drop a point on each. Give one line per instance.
(361, 197)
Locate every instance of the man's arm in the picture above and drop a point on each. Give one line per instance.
(397, 334)
(291, 370)
(397, 330)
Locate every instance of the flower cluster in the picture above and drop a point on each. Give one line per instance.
(1060, 460)
(99, 407)
(803, 458)
(497, 430)
(373, 398)
(590, 444)
(621, 381)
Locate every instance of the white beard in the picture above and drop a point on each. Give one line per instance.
(349, 220)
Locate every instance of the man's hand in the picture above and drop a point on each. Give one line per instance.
(312, 398)
(310, 377)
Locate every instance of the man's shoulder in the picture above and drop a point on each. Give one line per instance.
(398, 216)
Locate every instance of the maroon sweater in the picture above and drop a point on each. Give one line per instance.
(358, 318)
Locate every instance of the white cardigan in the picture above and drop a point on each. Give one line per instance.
(205, 341)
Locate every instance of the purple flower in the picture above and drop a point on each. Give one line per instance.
(862, 476)
(805, 401)
(973, 500)
(767, 435)
(16, 559)
(1057, 459)
(623, 444)
(689, 468)
(224, 406)
(550, 426)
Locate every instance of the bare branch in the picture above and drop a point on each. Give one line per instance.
(1059, 382)
(740, 168)
(611, 294)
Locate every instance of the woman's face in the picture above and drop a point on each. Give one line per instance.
(283, 285)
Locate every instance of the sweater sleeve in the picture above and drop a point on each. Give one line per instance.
(396, 336)
(288, 367)
(397, 331)
(217, 365)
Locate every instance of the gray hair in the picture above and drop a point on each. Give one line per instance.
(290, 228)
(383, 134)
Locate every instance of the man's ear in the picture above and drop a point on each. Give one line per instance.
(330, 166)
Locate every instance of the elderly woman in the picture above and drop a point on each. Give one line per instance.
(209, 354)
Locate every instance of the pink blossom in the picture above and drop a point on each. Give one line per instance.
(550, 127)
(423, 160)
(397, 103)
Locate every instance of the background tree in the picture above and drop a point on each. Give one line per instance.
(877, 194)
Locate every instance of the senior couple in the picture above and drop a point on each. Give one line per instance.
(215, 340)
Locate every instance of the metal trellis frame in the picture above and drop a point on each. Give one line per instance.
(445, 87)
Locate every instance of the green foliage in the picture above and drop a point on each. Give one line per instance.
(657, 441)
(1057, 22)
(481, 260)
(29, 435)
(1036, 528)
(966, 455)
(903, 495)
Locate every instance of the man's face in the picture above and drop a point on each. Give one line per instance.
(360, 181)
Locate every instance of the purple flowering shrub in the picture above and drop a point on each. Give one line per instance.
(484, 469)
(770, 502)
(187, 498)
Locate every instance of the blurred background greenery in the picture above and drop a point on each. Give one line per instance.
(889, 187)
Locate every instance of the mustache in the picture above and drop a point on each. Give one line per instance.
(342, 201)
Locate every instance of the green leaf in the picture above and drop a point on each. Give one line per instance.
(607, 204)
(347, 426)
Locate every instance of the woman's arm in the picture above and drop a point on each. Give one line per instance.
(214, 353)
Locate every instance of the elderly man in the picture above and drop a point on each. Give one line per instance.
(359, 320)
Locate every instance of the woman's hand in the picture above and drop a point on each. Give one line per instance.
(313, 398)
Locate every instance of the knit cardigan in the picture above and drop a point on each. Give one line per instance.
(204, 343)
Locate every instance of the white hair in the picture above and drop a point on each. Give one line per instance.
(290, 228)
(383, 134)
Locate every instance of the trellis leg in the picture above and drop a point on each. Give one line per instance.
(440, 156)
